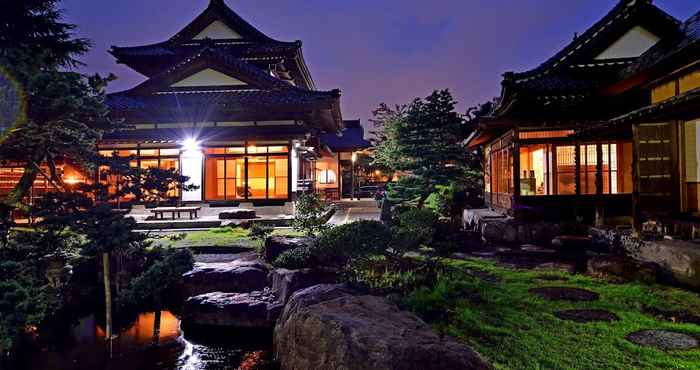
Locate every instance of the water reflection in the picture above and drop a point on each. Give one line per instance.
(146, 345)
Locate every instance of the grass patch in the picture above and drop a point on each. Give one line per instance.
(218, 237)
(518, 330)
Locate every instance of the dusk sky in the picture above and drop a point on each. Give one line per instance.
(374, 51)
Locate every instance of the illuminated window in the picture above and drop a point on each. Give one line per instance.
(588, 162)
(327, 177)
(536, 169)
(549, 134)
(170, 152)
(148, 152)
(566, 170)
(278, 149)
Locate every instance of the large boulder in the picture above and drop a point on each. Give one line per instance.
(276, 245)
(239, 276)
(237, 214)
(255, 310)
(332, 327)
(679, 259)
(622, 268)
(286, 282)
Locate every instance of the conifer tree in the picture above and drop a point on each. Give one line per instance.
(428, 144)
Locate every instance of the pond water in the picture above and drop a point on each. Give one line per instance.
(136, 348)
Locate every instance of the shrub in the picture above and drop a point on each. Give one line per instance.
(260, 233)
(295, 259)
(412, 228)
(310, 215)
(350, 241)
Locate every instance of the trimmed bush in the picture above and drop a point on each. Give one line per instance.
(358, 239)
(412, 228)
(295, 259)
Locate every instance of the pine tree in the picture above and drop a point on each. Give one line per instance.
(428, 140)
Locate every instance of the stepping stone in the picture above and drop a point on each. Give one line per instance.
(664, 339)
(586, 316)
(673, 316)
(565, 294)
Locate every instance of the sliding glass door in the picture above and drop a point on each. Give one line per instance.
(260, 175)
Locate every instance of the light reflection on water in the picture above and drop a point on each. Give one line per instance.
(134, 349)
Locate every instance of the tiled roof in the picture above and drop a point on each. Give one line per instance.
(215, 57)
(240, 100)
(253, 46)
(240, 49)
(210, 133)
(574, 74)
(593, 37)
(351, 138)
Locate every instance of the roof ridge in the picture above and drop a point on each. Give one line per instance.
(621, 11)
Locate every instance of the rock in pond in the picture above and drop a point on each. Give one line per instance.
(286, 282)
(237, 214)
(276, 245)
(333, 327)
(238, 276)
(623, 268)
(255, 310)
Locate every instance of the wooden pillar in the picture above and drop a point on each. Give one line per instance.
(516, 165)
(599, 206)
(636, 213)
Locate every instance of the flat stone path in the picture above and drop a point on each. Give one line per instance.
(587, 316)
(565, 294)
(664, 339)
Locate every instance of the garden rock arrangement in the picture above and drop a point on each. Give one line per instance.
(586, 316)
(565, 294)
(239, 276)
(255, 310)
(286, 282)
(334, 327)
(238, 214)
(664, 339)
(623, 269)
(276, 245)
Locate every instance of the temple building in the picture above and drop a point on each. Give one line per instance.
(592, 134)
(235, 111)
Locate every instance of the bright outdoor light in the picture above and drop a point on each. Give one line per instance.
(190, 144)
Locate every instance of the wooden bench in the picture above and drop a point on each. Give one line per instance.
(161, 211)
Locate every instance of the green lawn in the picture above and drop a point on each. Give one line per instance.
(517, 330)
(220, 237)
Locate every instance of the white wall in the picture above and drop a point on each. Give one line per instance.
(208, 77)
(217, 30)
(631, 45)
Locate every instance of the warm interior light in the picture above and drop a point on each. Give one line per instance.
(378, 173)
(354, 157)
(72, 180)
(190, 144)
(252, 149)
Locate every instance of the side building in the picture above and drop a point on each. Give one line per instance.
(560, 143)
